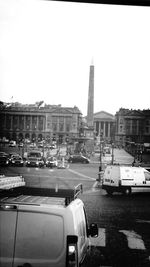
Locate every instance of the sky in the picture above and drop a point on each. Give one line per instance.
(47, 47)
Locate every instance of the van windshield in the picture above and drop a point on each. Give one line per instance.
(34, 154)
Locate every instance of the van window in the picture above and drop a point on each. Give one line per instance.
(147, 176)
(35, 229)
(34, 154)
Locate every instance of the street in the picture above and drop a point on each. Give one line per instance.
(123, 222)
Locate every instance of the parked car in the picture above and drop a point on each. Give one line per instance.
(51, 162)
(4, 160)
(78, 159)
(16, 161)
(12, 155)
(35, 162)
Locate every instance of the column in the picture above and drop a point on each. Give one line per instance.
(11, 122)
(18, 126)
(30, 123)
(24, 123)
(131, 130)
(104, 131)
(99, 128)
(108, 129)
(5, 121)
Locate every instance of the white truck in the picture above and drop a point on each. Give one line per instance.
(125, 179)
(42, 227)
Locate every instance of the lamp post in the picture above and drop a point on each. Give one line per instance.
(100, 157)
(100, 144)
(112, 155)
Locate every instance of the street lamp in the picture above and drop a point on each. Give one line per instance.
(100, 159)
(100, 144)
(112, 155)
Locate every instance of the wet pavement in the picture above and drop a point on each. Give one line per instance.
(120, 156)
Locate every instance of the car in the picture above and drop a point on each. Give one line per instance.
(32, 145)
(4, 154)
(51, 162)
(20, 144)
(12, 155)
(12, 143)
(16, 161)
(4, 160)
(35, 162)
(53, 146)
(40, 145)
(78, 159)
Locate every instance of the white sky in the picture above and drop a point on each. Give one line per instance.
(46, 49)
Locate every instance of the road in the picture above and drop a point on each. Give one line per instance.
(124, 229)
(124, 222)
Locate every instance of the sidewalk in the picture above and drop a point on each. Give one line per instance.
(120, 156)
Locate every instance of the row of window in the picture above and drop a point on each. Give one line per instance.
(34, 123)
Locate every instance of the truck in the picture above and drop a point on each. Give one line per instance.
(42, 227)
(125, 179)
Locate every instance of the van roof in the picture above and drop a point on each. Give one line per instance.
(40, 196)
(34, 200)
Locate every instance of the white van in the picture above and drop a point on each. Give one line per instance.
(42, 227)
(125, 179)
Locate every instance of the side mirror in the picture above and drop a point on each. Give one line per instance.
(93, 230)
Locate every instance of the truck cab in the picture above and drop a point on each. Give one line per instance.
(43, 227)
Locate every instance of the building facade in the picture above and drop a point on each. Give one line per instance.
(20, 122)
(132, 126)
(104, 126)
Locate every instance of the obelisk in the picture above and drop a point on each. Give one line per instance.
(90, 108)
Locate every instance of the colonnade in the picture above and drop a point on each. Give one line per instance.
(24, 122)
(103, 128)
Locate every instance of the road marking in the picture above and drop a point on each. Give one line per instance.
(99, 241)
(80, 174)
(134, 240)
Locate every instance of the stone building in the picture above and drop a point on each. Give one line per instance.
(132, 126)
(19, 122)
(104, 126)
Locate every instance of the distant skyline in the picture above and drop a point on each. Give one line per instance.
(47, 47)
